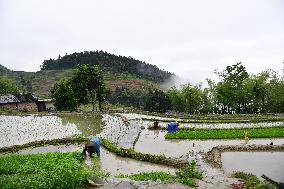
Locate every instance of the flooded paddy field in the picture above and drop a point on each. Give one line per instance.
(154, 142)
(17, 130)
(269, 163)
(129, 131)
(108, 161)
(120, 130)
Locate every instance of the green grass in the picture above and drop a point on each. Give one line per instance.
(271, 132)
(186, 175)
(49, 170)
(145, 176)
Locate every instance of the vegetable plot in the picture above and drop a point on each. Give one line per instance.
(49, 170)
(272, 132)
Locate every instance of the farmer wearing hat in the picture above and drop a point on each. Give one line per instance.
(93, 146)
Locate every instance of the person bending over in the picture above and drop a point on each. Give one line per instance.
(91, 147)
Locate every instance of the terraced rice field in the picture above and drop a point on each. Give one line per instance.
(128, 131)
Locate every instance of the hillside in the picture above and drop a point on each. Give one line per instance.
(108, 62)
(41, 82)
(118, 71)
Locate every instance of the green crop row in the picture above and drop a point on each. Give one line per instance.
(184, 175)
(269, 132)
(48, 170)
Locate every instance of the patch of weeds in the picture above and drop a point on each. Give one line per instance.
(251, 181)
(186, 174)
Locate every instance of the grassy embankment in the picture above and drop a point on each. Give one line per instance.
(185, 175)
(48, 170)
(270, 132)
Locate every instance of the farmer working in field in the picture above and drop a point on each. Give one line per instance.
(156, 124)
(91, 147)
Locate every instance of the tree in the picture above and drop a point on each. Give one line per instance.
(8, 86)
(207, 105)
(256, 90)
(64, 96)
(176, 99)
(87, 83)
(230, 90)
(275, 95)
(129, 97)
(192, 97)
(85, 86)
(157, 101)
(109, 62)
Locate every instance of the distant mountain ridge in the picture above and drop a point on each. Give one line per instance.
(118, 71)
(108, 62)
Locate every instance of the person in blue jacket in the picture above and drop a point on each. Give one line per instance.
(93, 146)
(173, 127)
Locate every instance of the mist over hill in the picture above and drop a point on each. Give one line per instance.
(108, 62)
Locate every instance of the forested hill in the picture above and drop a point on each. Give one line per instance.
(4, 70)
(108, 62)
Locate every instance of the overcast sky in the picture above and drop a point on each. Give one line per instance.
(189, 38)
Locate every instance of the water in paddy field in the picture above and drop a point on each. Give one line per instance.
(133, 116)
(154, 142)
(18, 130)
(269, 163)
(110, 162)
(118, 165)
(125, 130)
(120, 131)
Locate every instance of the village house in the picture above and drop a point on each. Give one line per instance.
(24, 102)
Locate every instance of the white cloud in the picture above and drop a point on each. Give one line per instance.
(190, 38)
